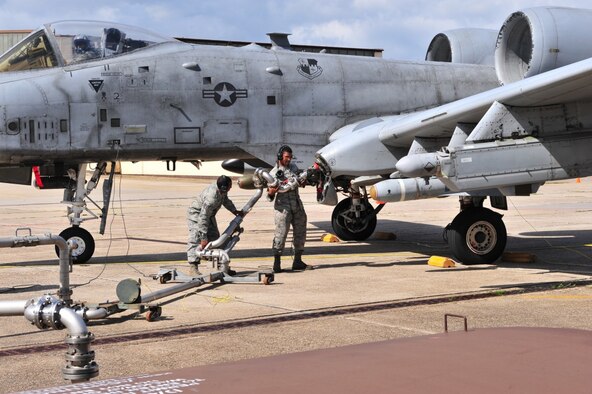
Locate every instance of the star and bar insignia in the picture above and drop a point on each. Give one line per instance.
(225, 94)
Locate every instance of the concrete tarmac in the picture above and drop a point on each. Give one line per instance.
(360, 292)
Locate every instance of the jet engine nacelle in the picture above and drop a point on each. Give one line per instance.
(468, 46)
(540, 39)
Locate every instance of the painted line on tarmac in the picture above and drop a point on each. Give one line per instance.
(559, 297)
(270, 258)
(173, 263)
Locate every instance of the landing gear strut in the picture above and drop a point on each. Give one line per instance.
(477, 235)
(81, 241)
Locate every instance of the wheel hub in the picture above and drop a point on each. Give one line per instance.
(353, 223)
(481, 237)
(77, 245)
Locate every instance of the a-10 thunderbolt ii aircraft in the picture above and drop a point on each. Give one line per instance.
(78, 93)
(506, 141)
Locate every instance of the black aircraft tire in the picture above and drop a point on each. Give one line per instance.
(477, 236)
(84, 240)
(349, 231)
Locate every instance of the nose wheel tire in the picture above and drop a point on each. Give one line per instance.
(83, 244)
(348, 226)
(477, 236)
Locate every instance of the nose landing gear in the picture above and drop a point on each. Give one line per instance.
(81, 243)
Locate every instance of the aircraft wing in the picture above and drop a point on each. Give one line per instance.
(565, 84)
(390, 139)
(513, 138)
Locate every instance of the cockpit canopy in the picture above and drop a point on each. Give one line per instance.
(68, 42)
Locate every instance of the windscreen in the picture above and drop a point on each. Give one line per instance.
(33, 52)
(80, 41)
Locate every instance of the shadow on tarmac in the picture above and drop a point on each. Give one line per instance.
(553, 249)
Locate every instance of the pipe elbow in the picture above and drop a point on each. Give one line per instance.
(73, 322)
(59, 242)
(288, 186)
(266, 177)
(217, 243)
(94, 313)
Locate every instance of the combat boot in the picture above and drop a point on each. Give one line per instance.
(230, 272)
(194, 269)
(277, 263)
(299, 265)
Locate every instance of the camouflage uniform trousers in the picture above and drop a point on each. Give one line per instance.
(194, 231)
(201, 219)
(289, 211)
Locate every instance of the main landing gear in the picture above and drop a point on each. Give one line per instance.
(477, 235)
(354, 218)
(80, 240)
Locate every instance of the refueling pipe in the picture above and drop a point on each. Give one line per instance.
(49, 312)
(261, 179)
(129, 291)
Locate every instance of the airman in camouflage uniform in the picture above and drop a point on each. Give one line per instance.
(201, 218)
(288, 210)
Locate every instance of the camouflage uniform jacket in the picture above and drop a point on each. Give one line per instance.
(291, 199)
(204, 208)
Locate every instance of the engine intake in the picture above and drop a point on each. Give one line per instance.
(540, 39)
(468, 46)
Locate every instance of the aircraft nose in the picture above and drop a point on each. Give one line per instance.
(322, 164)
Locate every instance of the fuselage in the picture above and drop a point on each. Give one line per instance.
(177, 101)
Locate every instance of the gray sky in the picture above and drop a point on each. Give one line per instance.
(403, 28)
